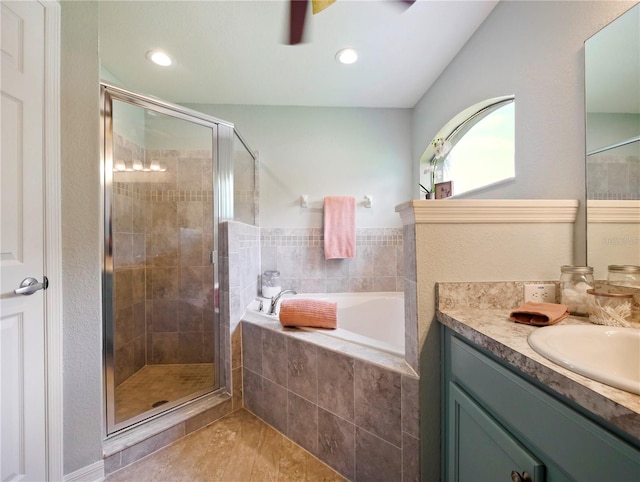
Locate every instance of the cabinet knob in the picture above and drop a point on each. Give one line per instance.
(516, 477)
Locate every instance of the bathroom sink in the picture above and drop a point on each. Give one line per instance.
(606, 354)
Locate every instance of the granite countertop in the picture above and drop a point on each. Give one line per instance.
(492, 330)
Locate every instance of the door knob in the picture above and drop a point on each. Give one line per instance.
(31, 285)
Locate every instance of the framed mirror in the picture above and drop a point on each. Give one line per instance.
(612, 91)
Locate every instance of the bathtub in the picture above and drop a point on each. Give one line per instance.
(374, 320)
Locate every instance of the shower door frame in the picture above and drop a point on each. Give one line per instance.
(222, 166)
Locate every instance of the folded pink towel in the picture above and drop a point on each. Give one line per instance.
(305, 312)
(539, 314)
(339, 227)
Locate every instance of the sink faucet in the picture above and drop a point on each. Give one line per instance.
(274, 302)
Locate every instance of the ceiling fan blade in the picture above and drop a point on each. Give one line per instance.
(297, 14)
(405, 3)
(319, 5)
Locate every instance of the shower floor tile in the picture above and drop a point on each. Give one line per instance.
(155, 383)
(239, 447)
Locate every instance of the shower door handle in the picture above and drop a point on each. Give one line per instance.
(30, 285)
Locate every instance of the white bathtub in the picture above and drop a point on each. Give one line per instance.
(375, 320)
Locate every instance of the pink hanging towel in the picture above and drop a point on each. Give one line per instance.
(339, 227)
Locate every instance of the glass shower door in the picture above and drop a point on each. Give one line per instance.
(160, 240)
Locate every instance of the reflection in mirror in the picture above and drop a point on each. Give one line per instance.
(159, 281)
(483, 148)
(612, 80)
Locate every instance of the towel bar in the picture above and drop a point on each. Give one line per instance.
(304, 201)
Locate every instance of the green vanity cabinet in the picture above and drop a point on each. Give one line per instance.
(497, 426)
(480, 449)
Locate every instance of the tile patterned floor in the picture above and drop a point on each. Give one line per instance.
(153, 383)
(237, 448)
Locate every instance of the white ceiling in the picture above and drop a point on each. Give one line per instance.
(234, 52)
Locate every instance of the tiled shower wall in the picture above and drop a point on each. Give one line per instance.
(298, 254)
(163, 277)
(129, 282)
(180, 294)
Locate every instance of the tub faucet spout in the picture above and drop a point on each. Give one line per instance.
(274, 302)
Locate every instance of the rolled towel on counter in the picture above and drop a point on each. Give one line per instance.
(539, 314)
(307, 312)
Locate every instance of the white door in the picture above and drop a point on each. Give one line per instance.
(22, 318)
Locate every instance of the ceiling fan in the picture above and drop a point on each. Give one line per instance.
(298, 12)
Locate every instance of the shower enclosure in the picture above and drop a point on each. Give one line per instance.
(167, 182)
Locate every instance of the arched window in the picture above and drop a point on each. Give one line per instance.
(482, 148)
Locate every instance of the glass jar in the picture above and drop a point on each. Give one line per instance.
(609, 308)
(271, 284)
(624, 274)
(574, 283)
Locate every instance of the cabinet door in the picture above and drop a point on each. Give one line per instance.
(571, 446)
(482, 450)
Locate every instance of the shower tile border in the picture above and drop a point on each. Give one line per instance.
(314, 237)
(130, 189)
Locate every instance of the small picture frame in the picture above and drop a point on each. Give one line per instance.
(444, 189)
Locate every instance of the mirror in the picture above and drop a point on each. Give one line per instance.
(612, 89)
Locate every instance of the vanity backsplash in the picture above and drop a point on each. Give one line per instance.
(508, 295)
(490, 295)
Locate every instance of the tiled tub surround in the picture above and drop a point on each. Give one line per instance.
(239, 254)
(613, 175)
(480, 313)
(298, 253)
(354, 408)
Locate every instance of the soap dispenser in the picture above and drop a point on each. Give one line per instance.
(271, 285)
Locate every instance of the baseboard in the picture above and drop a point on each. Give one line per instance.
(90, 473)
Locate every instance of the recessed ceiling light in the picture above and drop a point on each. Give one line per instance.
(159, 57)
(347, 56)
